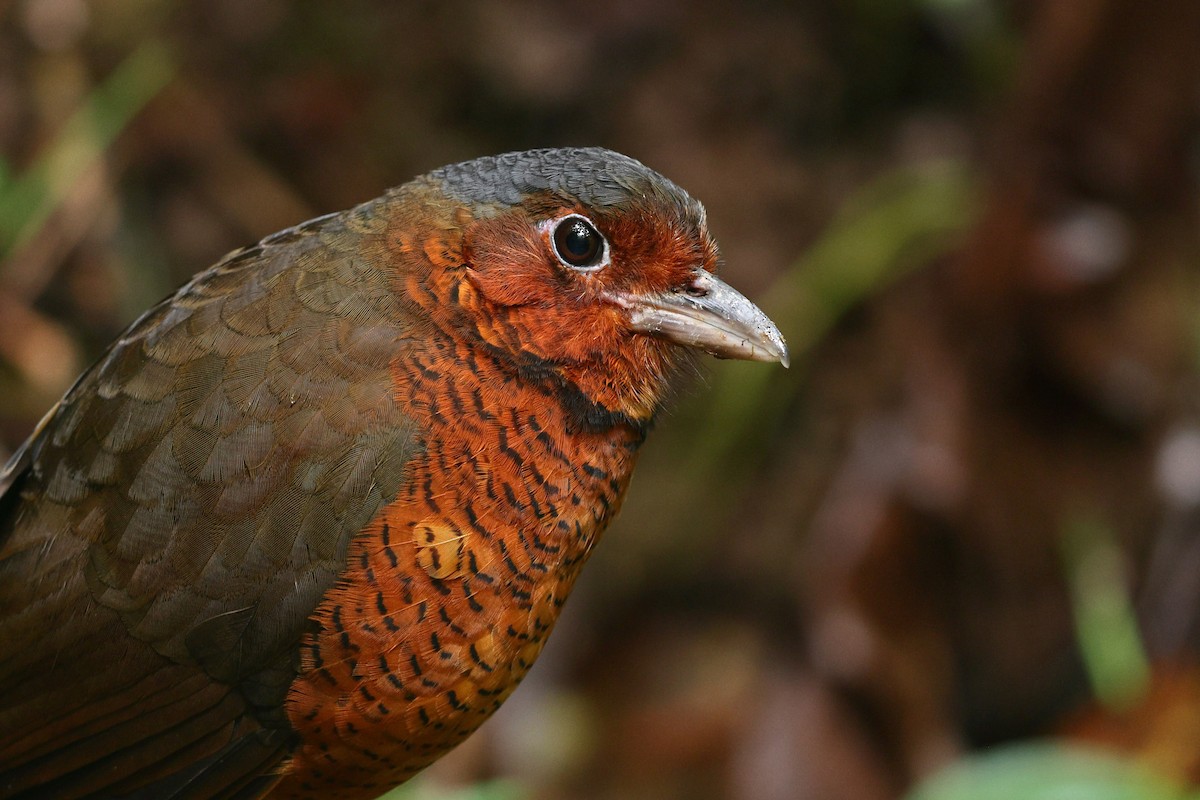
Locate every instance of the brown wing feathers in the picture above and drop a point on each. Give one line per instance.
(183, 512)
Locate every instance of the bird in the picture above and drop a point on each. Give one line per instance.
(309, 520)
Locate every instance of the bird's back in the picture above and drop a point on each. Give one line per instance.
(167, 532)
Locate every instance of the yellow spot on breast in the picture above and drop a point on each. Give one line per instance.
(440, 549)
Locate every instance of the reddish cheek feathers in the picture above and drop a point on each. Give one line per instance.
(522, 300)
(651, 255)
(509, 263)
(496, 280)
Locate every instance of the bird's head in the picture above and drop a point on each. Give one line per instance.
(584, 266)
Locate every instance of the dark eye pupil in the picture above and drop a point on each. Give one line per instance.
(577, 242)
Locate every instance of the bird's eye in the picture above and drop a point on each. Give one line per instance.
(577, 243)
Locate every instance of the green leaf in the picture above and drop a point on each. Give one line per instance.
(1045, 771)
(1105, 621)
(26, 201)
(421, 789)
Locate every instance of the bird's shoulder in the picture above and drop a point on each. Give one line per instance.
(208, 472)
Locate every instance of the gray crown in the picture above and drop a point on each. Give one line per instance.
(592, 175)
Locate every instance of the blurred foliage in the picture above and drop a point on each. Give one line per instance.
(902, 221)
(421, 789)
(1041, 771)
(1105, 618)
(28, 199)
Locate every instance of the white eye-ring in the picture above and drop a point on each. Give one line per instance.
(576, 243)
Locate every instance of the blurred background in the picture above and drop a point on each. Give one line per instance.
(953, 552)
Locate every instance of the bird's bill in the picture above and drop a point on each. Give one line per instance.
(708, 314)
